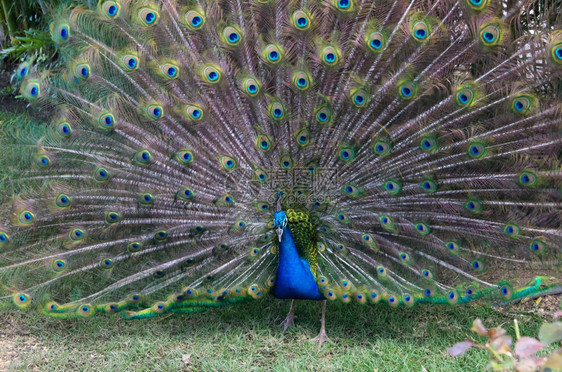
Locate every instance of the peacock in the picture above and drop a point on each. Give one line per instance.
(202, 153)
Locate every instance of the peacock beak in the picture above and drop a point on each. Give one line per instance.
(279, 233)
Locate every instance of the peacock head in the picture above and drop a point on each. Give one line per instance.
(280, 221)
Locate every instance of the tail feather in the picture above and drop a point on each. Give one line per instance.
(423, 137)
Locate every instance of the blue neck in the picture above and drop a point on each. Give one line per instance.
(294, 278)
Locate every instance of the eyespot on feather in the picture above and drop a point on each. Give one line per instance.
(405, 257)
(101, 174)
(323, 115)
(184, 156)
(452, 247)
(506, 291)
(106, 263)
(392, 300)
(142, 157)
(301, 80)
(429, 144)
(135, 298)
(428, 292)
(387, 223)
(63, 129)
(528, 179)
(285, 161)
(473, 206)
(260, 175)
(427, 274)
(146, 199)
(359, 97)
(106, 121)
(420, 30)
(429, 186)
(382, 147)
(76, 235)
(147, 17)
(159, 307)
(276, 111)
(422, 228)
(23, 70)
(60, 32)
(231, 36)
(31, 89)
(375, 296)
(407, 89)
(211, 74)
(376, 41)
(185, 193)
(408, 299)
(537, 246)
(58, 265)
(476, 150)
(154, 111)
(303, 137)
(129, 62)
(452, 297)
(4, 239)
(110, 9)
(63, 201)
(25, 218)
(80, 71)
(226, 200)
(523, 104)
(465, 97)
(263, 143)
(273, 53)
(134, 247)
(392, 187)
(351, 191)
(227, 163)
(381, 271)
(512, 230)
(477, 265)
(346, 153)
(43, 161)
(112, 217)
(477, 5)
(251, 86)
(329, 55)
(343, 5)
(21, 300)
(169, 70)
(301, 20)
(490, 34)
(160, 236)
(194, 112)
(194, 19)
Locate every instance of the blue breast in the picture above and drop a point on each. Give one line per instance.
(294, 278)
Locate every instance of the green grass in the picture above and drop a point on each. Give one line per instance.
(246, 337)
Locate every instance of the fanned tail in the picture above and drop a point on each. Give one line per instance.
(423, 138)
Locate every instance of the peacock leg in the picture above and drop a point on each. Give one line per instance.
(322, 336)
(290, 319)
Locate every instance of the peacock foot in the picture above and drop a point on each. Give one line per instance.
(290, 319)
(321, 338)
(288, 322)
